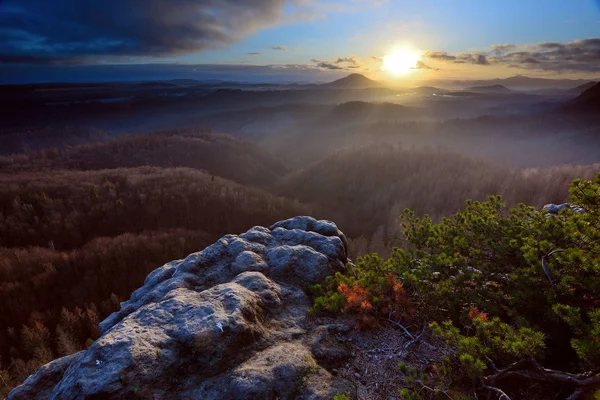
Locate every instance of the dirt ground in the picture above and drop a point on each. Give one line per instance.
(376, 353)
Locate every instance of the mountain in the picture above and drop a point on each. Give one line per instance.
(524, 83)
(587, 102)
(582, 88)
(352, 81)
(229, 322)
(489, 89)
(428, 90)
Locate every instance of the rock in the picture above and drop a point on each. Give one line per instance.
(556, 208)
(42, 383)
(226, 322)
(472, 270)
(326, 347)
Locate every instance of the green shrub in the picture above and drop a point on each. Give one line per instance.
(537, 275)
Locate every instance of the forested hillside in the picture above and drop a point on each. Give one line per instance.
(75, 243)
(82, 226)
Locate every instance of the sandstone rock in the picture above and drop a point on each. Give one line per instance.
(556, 208)
(227, 322)
(42, 383)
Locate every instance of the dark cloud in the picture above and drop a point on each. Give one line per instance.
(326, 64)
(79, 31)
(502, 48)
(471, 58)
(254, 53)
(347, 60)
(280, 48)
(341, 63)
(577, 56)
(421, 65)
(460, 58)
(439, 55)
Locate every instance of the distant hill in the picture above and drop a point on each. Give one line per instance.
(221, 155)
(157, 85)
(489, 89)
(582, 88)
(430, 90)
(524, 83)
(587, 102)
(185, 82)
(352, 81)
(354, 110)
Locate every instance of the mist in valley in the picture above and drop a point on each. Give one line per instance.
(126, 176)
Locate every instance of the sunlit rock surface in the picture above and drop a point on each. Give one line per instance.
(224, 323)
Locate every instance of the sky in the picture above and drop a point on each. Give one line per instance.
(297, 40)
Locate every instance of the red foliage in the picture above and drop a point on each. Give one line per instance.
(474, 314)
(393, 302)
(396, 301)
(357, 297)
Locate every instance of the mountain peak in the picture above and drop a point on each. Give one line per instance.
(353, 81)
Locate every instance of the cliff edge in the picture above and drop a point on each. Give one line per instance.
(227, 322)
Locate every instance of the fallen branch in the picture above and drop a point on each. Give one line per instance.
(538, 373)
(549, 375)
(576, 394)
(503, 396)
(434, 390)
(411, 342)
(400, 326)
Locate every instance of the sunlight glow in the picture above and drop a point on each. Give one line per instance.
(400, 62)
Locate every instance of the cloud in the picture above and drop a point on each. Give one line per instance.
(254, 53)
(347, 60)
(326, 64)
(460, 58)
(502, 48)
(581, 55)
(421, 65)
(470, 58)
(319, 8)
(340, 63)
(66, 30)
(280, 48)
(439, 55)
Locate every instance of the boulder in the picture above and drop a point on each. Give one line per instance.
(226, 322)
(556, 208)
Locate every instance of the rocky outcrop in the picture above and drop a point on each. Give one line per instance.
(556, 208)
(228, 322)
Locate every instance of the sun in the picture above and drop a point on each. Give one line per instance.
(400, 62)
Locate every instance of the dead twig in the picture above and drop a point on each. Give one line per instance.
(502, 395)
(398, 324)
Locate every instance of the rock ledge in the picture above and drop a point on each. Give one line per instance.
(227, 322)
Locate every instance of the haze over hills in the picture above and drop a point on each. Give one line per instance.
(581, 88)
(524, 83)
(151, 172)
(588, 102)
(489, 89)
